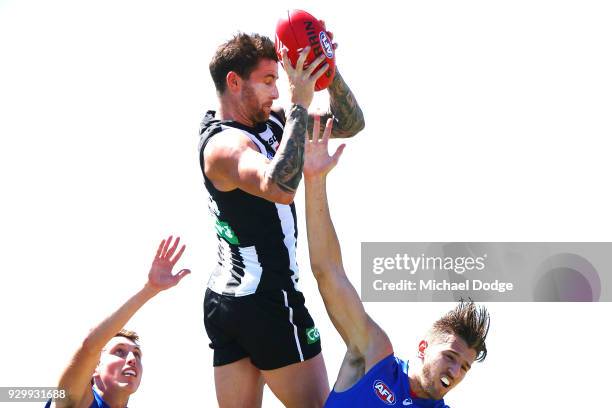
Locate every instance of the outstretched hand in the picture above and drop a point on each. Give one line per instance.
(317, 161)
(160, 275)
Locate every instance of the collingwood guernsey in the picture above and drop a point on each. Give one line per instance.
(257, 238)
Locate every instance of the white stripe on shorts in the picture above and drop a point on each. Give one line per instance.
(295, 333)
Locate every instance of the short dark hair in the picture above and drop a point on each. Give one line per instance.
(468, 321)
(241, 54)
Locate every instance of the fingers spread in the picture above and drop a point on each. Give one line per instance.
(165, 249)
(285, 60)
(182, 273)
(320, 72)
(314, 65)
(338, 153)
(160, 249)
(171, 251)
(302, 58)
(178, 255)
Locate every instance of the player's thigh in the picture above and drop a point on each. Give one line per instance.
(239, 384)
(280, 331)
(300, 385)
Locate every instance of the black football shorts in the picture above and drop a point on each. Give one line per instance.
(273, 328)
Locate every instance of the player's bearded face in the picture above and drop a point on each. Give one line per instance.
(258, 111)
(259, 91)
(445, 364)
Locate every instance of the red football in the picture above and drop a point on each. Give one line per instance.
(300, 29)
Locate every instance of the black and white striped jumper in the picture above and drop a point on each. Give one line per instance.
(257, 238)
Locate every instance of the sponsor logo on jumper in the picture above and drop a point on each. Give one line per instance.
(312, 335)
(407, 401)
(226, 232)
(272, 141)
(384, 392)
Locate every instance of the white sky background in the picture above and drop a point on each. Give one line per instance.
(486, 121)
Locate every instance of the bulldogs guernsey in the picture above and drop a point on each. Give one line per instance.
(385, 384)
(257, 238)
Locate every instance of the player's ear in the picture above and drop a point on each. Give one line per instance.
(233, 81)
(422, 347)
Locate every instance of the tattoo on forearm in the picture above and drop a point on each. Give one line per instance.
(348, 117)
(286, 168)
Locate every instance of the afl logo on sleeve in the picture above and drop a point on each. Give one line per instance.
(384, 393)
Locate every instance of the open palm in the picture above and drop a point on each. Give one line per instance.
(317, 161)
(160, 275)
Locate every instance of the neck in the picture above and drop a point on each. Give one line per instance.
(114, 398)
(416, 389)
(231, 109)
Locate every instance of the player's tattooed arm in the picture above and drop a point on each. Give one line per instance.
(286, 167)
(344, 110)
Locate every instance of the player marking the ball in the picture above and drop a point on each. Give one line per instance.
(251, 157)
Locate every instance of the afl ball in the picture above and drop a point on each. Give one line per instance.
(298, 29)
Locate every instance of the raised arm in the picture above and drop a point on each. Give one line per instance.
(366, 342)
(343, 109)
(77, 376)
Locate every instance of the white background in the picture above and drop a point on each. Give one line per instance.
(486, 121)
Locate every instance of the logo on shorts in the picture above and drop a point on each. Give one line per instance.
(312, 335)
(384, 392)
(226, 232)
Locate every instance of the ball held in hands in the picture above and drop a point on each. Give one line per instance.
(299, 29)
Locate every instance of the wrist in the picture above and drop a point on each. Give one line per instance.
(149, 290)
(298, 106)
(315, 179)
(297, 114)
(336, 80)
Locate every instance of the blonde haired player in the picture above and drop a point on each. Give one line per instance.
(106, 369)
